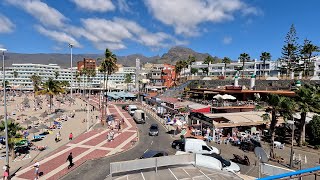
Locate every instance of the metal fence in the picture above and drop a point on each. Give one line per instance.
(271, 170)
(139, 164)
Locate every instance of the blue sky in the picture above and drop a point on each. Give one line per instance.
(150, 27)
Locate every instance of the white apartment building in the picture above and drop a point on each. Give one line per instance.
(218, 69)
(25, 71)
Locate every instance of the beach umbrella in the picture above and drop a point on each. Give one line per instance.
(23, 115)
(44, 114)
(27, 122)
(33, 130)
(43, 126)
(218, 96)
(51, 120)
(228, 97)
(33, 118)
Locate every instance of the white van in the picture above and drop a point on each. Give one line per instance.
(199, 146)
(131, 109)
(205, 161)
(139, 116)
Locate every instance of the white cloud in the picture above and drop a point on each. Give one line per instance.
(186, 15)
(227, 40)
(123, 6)
(95, 5)
(113, 34)
(58, 36)
(46, 15)
(6, 25)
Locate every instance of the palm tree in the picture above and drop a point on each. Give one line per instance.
(127, 79)
(13, 132)
(56, 74)
(307, 53)
(90, 74)
(36, 81)
(226, 61)
(83, 73)
(265, 56)
(51, 88)
(107, 67)
(208, 60)
(278, 106)
(244, 57)
(191, 59)
(77, 79)
(178, 68)
(308, 100)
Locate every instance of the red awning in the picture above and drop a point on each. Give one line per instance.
(202, 110)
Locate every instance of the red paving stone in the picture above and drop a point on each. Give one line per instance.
(84, 136)
(54, 163)
(93, 155)
(118, 140)
(97, 140)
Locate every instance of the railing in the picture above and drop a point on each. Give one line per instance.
(139, 164)
(146, 108)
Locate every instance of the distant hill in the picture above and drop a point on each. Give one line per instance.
(171, 57)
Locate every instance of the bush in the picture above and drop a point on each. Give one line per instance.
(305, 143)
(314, 132)
(317, 147)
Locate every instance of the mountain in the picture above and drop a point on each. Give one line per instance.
(181, 53)
(172, 56)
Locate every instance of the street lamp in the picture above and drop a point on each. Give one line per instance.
(5, 108)
(292, 138)
(71, 70)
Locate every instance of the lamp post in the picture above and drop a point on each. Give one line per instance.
(292, 138)
(5, 108)
(71, 70)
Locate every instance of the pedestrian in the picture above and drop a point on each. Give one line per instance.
(70, 136)
(5, 172)
(70, 158)
(36, 169)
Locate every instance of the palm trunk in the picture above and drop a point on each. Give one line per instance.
(225, 70)
(302, 129)
(272, 132)
(50, 102)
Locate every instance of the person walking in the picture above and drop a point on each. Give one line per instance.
(5, 172)
(70, 158)
(70, 136)
(36, 170)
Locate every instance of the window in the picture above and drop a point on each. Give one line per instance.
(206, 148)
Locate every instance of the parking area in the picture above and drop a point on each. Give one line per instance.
(174, 173)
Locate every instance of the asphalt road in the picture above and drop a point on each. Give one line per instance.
(99, 168)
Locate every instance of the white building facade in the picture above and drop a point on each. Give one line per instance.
(24, 72)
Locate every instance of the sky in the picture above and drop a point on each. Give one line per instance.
(223, 28)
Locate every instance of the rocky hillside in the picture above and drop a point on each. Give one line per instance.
(172, 56)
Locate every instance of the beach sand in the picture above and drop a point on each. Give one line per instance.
(74, 125)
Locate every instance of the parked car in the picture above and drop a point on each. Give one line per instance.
(249, 145)
(152, 153)
(179, 143)
(154, 130)
(208, 162)
(226, 164)
(199, 146)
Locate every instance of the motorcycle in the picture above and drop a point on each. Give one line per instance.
(241, 160)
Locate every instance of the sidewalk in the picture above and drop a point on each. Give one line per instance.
(90, 145)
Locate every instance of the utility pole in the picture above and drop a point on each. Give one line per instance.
(71, 90)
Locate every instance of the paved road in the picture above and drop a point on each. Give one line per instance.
(99, 169)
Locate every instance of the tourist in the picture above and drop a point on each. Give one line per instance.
(36, 171)
(70, 136)
(70, 158)
(5, 172)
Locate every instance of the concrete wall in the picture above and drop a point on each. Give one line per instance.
(260, 84)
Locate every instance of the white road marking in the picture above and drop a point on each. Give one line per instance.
(142, 176)
(185, 171)
(145, 150)
(151, 142)
(173, 174)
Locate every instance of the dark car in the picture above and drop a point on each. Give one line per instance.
(249, 145)
(152, 153)
(179, 144)
(154, 130)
